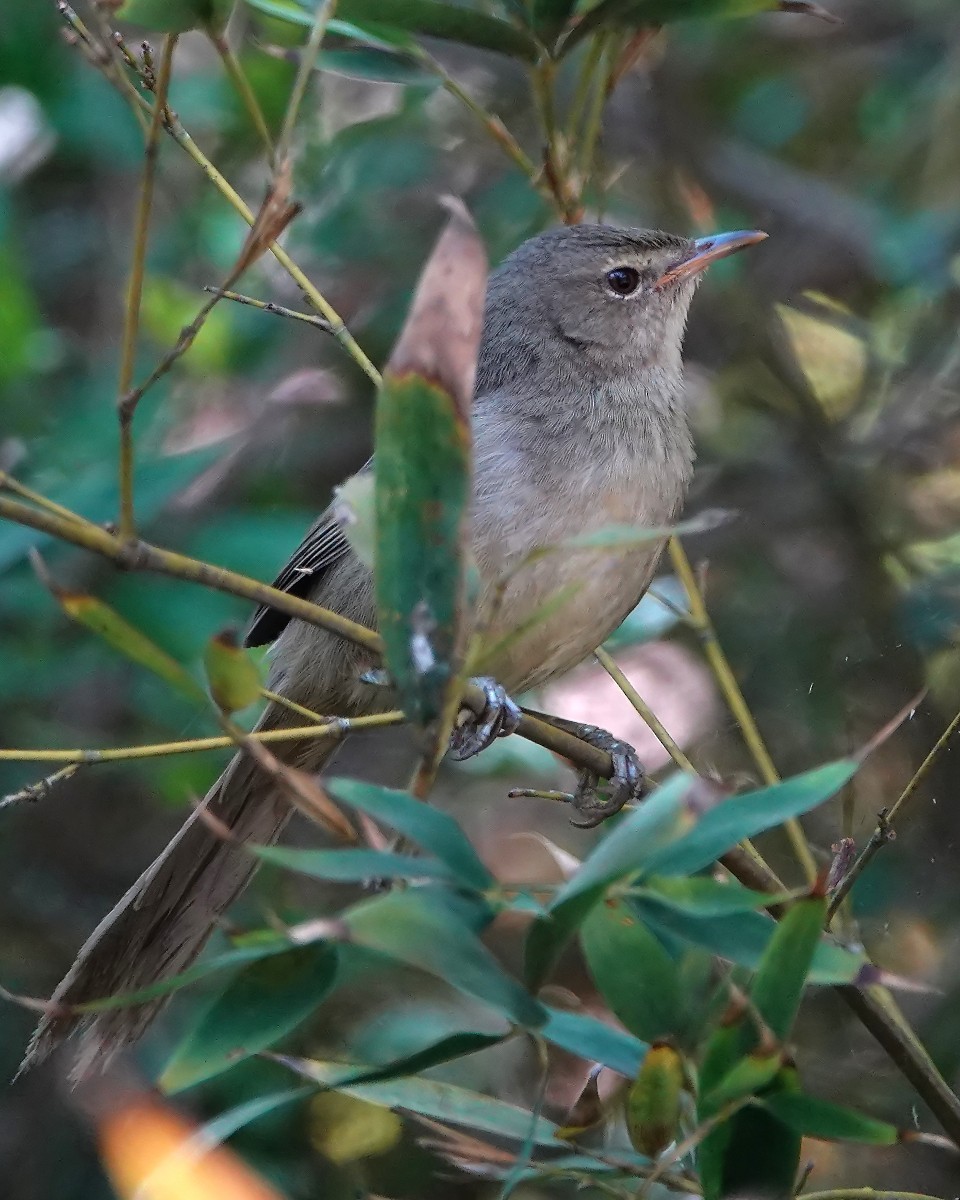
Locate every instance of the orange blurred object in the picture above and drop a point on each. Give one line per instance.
(152, 1153)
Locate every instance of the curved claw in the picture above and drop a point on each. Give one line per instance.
(500, 717)
(627, 783)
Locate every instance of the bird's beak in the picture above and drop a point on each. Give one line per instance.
(707, 250)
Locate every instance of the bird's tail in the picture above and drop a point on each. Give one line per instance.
(165, 919)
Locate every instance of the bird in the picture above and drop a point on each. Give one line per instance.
(578, 422)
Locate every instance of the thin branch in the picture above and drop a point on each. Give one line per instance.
(305, 66)
(39, 790)
(646, 712)
(884, 831)
(338, 727)
(865, 1193)
(727, 682)
(248, 96)
(131, 320)
(277, 309)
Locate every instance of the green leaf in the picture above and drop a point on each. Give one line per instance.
(431, 928)
(382, 66)
(702, 896)
(353, 504)
(815, 1118)
(231, 673)
(259, 1007)
(745, 1078)
(636, 976)
(745, 816)
(430, 1098)
(622, 852)
(752, 1154)
(743, 938)
(423, 482)
(548, 17)
(594, 1041)
(782, 973)
(430, 18)
(353, 866)
(234, 1119)
(123, 637)
(175, 16)
(432, 830)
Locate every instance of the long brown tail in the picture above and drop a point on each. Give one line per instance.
(165, 919)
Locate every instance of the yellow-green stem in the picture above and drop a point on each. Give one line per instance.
(730, 689)
(248, 97)
(308, 60)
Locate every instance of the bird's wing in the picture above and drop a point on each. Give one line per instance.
(325, 544)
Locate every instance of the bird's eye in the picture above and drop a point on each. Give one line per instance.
(623, 281)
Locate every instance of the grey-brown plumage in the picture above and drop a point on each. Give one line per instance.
(578, 423)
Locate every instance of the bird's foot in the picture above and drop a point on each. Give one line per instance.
(596, 799)
(500, 717)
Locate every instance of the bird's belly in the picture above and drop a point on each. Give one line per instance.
(557, 610)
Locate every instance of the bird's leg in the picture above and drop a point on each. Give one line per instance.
(596, 798)
(500, 717)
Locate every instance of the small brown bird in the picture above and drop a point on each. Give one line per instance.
(578, 422)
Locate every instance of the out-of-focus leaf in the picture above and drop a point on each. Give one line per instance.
(651, 618)
(354, 866)
(782, 973)
(259, 1007)
(747, 815)
(430, 828)
(241, 956)
(594, 1041)
(431, 1098)
(346, 1129)
(635, 974)
(431, 18)
(353, 505)
(148, 1150)
(231, 673)
(548, 17)
(815, 1118)
(833, 359)
(382, 66)
(95, 496)
(123, 637)
(431, 928)
(642, 13)
(175, 16)
(423, 475)
(746, 1077)
(652, 1104)
(622, 852)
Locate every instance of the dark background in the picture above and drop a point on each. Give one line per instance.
(824, 385)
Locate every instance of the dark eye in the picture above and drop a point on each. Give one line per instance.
(624, 280)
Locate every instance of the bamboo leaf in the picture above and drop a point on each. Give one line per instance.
(353, 866)
(264, 1003)
(231, 673)
(810, 1117)
(176, 16)
(423, 481)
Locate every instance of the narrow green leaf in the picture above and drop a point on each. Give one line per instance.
(431, 928)
(432, 830)
(353, 866)
(745, 1078)
(815, 1118)
(594, 1041)
(702, 896)
(635, 974)
(123, 637)
(430, 18)
(782, 972)
(259, 1007)
(745, 816)
(234, 1119)
(626, 850)
(743, 938)
(548, 17)
(175, 16)
(430, 1098)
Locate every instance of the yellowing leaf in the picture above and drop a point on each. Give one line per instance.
(833, 360)
(151, 1153)
(345, 1129)
(231, 672)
